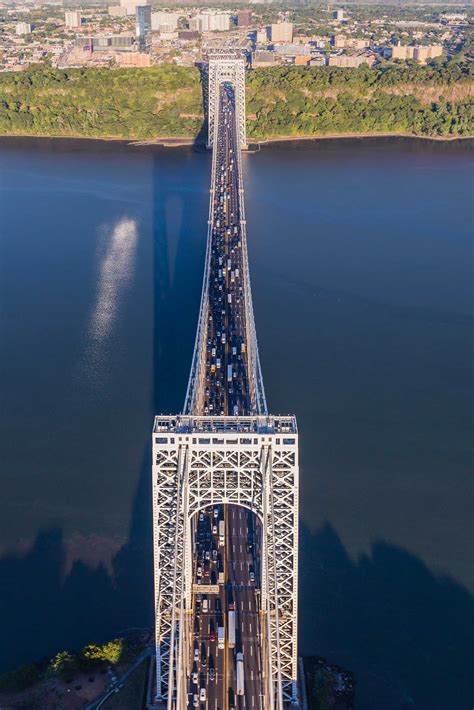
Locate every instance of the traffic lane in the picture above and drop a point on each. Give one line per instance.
(246, 604)
(249, 622)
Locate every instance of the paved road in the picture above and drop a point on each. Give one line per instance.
(238, 595)
(213, 684)
(226, 387)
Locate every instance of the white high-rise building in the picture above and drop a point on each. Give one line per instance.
(210, 22)
(23, 28)
(220, 21)
(164, 21)
(72, 18)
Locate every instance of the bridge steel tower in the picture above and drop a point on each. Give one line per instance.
(201, 460)
(226, 67)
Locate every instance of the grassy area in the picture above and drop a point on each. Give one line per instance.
(166, 101)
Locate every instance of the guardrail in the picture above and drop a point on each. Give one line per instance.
(257, 390)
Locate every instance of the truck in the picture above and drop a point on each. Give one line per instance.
(240, 674)
(220, 637)
(229, 373)
(231, 629)
(221, 533)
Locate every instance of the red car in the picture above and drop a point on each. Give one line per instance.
(212, 636)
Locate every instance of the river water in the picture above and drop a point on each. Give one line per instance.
(361, 274)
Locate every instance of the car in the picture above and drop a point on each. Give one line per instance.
(212, 636)
(195, 701)
(199, 571)
(207, 555)
(214, 554)
(195, 678)
(202, 695)
(212, 674)
(216, 512)
(196, 653)
(252, 576)
(201, 517)
(214, 529)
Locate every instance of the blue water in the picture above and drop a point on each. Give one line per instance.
(361, 268)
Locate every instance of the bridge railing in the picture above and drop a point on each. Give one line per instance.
(255, 375)
(199, 354)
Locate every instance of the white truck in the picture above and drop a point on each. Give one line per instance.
(240, 674)
(220, 637)
(221, 533)
(231, 629)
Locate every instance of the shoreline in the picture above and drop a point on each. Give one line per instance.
(182, 142)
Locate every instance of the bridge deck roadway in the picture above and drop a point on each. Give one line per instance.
(227, 392)
(226, 380)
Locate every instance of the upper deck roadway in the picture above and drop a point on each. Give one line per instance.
(225, 378)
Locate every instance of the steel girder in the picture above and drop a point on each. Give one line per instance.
(225, 66)
(247, 461)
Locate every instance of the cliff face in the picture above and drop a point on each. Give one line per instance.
(167, 101)
(419, 100)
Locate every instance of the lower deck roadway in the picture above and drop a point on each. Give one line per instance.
(221, 693)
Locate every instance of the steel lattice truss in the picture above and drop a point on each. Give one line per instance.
(247, 461)
(226, 67)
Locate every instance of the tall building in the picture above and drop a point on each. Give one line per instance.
(282, 32)
(418, 53)
(143, 25)
(72, 18)
(244, 18)
(164, 21)
(210, 22)
(23, 28)
(219, 21)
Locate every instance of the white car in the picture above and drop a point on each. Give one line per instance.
(195, 677)
(202, 695)
(195, 701)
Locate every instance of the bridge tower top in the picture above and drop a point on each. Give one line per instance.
(225, 66)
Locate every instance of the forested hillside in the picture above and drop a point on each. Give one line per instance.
(166, 101)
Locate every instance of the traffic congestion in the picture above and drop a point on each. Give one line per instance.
(225, 664)
(226, 386)
(226, 670)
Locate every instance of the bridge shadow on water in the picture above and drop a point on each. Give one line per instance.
(43, 610)
(405, 632)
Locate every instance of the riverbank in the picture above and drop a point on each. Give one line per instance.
(183, 142)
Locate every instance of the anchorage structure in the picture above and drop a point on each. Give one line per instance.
(225, 449)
